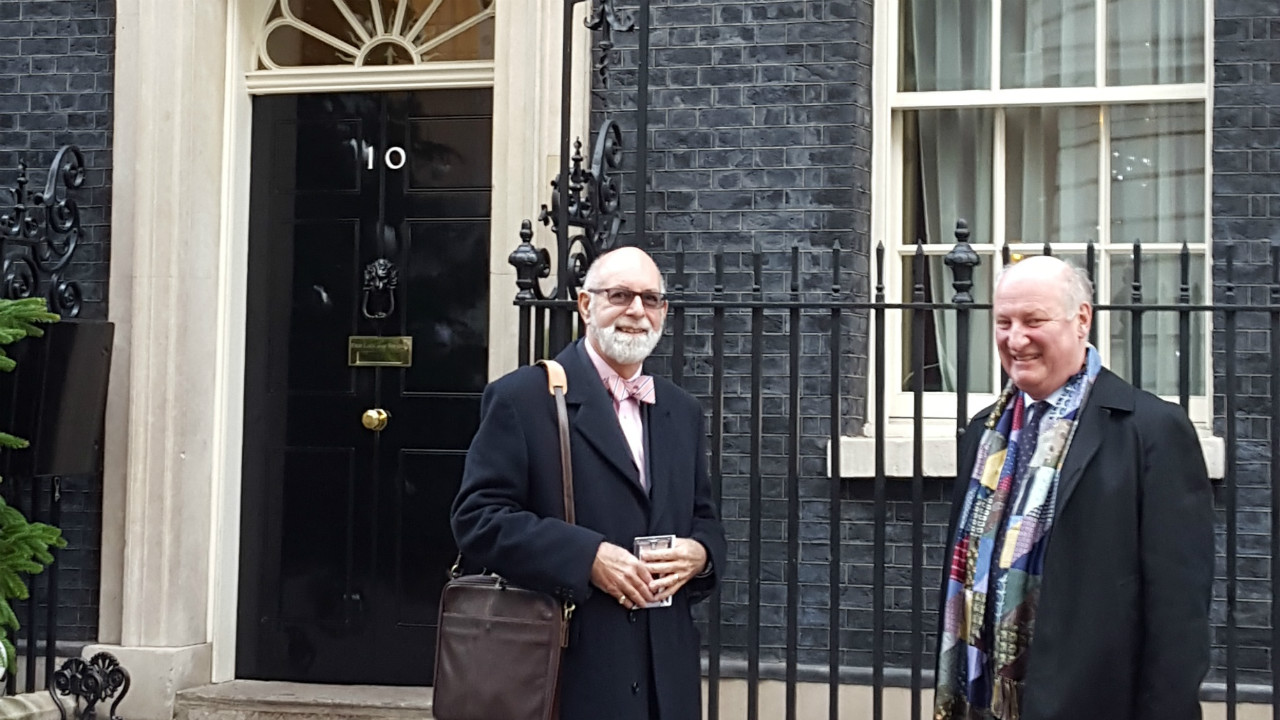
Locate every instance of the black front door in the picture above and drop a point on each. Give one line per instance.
(369, 218)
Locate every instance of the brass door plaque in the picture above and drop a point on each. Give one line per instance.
(380, 351)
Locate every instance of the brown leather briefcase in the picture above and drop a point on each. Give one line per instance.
(498, 646)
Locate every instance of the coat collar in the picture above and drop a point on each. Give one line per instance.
(1109, 393)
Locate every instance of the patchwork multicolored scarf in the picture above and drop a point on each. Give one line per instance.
(993, 584)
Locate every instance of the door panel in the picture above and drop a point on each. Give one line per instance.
(345, 530)
(311, 590)
(324, 165)
(449, 164)
(325, 305)
(428, 485)
(447, 261)
(418, 512)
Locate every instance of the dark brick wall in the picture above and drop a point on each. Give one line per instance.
(1246, 213)
(759, 136)
(56, 63)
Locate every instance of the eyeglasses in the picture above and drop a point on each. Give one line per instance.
(622, 297)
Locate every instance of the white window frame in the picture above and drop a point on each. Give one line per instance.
(887, 201)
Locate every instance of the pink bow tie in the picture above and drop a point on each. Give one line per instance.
(640, 388)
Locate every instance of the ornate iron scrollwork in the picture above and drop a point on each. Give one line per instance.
(606, 19)
(381, 278)
(594, 203)
(40, 234)
(92, 682)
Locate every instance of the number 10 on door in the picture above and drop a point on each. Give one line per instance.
(394, 158)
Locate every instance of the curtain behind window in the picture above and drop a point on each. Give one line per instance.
(1052, 153)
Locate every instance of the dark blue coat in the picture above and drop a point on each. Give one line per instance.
(507, 518)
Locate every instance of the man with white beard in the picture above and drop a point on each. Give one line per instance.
(638, 448)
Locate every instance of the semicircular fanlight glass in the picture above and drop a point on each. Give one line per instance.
(310, 33)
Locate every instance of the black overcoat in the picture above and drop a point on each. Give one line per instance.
(1122, 626)
(507, 517)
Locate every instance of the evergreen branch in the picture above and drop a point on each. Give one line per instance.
(12, 443)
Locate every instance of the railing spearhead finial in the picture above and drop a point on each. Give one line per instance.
(531, 264)
(962, 260)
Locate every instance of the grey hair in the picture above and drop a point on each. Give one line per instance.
(593, 276)
(1079, 288)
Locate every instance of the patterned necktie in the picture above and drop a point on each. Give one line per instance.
(1028, 439)
(641, 388)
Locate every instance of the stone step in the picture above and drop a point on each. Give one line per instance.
(261, 700)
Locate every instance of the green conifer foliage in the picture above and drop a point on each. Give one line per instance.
(24, 546)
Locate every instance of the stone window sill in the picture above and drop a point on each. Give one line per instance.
(858, 454)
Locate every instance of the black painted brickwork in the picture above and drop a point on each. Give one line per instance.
(1246, 211)
(56, 65)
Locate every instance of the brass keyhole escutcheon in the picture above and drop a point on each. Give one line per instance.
(375, 419)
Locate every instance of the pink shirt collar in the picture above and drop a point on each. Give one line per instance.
(606, 373)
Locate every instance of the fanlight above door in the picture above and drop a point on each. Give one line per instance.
(311, 33)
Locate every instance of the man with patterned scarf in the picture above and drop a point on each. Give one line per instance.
(1080, 562)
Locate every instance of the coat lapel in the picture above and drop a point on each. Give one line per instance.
(661, 474)
(595, 419)
(1109, 393)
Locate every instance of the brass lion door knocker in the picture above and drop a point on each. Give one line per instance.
(380, 278)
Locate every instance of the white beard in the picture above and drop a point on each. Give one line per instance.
(625, 348)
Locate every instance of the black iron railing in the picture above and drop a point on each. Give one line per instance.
(833, 579)
(855, 602)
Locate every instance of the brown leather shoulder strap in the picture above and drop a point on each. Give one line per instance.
(558, 385)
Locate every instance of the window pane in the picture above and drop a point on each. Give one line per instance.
(1051, 174)
(944, 179)
(1161, 339)
(941, 331)
(1157, 173)
(439, 37)
(1047, 43)
(1153, 42)
(945, 45)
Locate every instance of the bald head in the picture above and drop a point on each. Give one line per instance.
(630, 261)
(1074, 283)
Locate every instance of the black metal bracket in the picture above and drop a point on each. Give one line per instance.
(96, 681)
(606, 20)
(40, 233)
